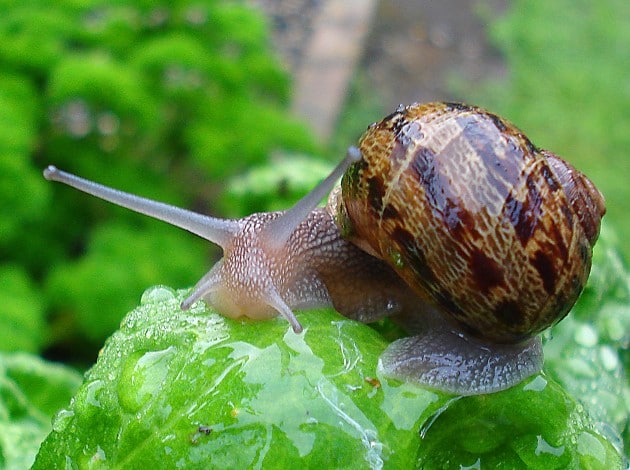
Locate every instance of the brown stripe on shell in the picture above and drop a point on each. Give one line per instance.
(459, 221)
(550, 178)
(376, 191)
(509, 313)
(547, 271)
(501, 161)
(531, 148)
(486, 272)
(437, 189)
(498, 122)
(525, 215)
(586, 201)
(423, 167)
(559, 243)
(520, 217)
(390, 212)
(506, 150)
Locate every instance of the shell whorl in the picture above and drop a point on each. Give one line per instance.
(474, 217)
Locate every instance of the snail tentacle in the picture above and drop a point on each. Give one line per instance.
(219, 231)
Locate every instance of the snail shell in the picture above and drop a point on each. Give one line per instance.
(478, 221)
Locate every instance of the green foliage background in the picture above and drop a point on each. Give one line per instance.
(166, 100)
(175, 101)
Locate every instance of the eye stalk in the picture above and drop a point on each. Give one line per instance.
(218, 231)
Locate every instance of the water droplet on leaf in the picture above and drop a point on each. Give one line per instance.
(157, 294)
(62, 419)
(143, 376)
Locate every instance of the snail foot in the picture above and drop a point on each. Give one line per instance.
(456, 363)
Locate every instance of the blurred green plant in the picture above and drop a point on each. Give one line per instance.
(568, 87)
(22, 322)
(31, 391)
(589, 353)
(166, 100)
(273, 186)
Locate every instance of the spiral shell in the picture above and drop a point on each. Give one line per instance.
(476, 219)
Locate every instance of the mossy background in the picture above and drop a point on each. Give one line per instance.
(186, 102)
(164, 100)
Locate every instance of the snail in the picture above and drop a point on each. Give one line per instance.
(448, 220)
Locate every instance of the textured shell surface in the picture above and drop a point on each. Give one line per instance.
(479, 221)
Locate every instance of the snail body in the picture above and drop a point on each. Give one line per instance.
(448, 219)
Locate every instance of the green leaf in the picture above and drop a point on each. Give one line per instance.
(31, 390)
(532, 425)
(194, 387)
(198, 390)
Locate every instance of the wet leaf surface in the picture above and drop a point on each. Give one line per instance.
(196, 390)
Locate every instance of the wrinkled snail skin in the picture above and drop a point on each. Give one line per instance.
(448, 219)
